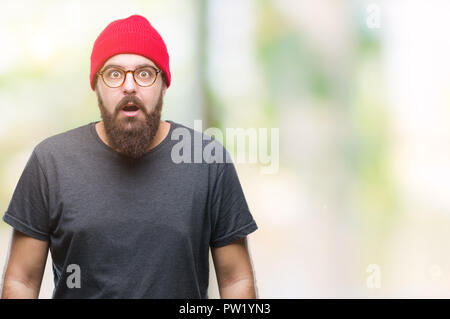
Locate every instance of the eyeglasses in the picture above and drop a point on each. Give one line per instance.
(114, 77)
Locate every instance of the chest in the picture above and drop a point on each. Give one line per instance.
(113, 203)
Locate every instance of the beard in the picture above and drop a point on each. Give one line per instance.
(131, 137)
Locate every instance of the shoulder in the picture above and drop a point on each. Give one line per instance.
(62, 143)
(198, 146)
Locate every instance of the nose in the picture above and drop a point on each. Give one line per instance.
(129, 86)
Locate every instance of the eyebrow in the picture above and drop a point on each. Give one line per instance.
(121, 67)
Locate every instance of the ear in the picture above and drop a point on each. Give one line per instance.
(95, 82)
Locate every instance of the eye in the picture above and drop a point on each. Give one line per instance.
(113, 74)
(144, 74)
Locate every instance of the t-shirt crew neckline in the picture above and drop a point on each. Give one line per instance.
(147, 154)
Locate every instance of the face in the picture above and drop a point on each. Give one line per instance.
(130, 133)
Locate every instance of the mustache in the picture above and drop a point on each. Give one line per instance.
(130, 99)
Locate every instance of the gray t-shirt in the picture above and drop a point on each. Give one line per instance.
(129, 229)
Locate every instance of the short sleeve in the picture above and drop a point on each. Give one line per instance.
(232, 219)
(28, 209)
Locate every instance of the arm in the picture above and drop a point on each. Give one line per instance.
(25, 267)
(234, 270)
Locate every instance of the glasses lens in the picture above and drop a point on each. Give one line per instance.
(145, 76)
(113, 77)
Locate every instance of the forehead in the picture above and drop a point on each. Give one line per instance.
(128, 60)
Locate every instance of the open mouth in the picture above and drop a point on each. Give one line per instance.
(131, 110)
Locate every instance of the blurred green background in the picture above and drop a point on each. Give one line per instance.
(362, 113)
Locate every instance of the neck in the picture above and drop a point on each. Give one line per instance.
(160, 135)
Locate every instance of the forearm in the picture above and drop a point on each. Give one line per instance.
(13, 289)
(241, 289)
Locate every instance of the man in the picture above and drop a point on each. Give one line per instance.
(120, 216)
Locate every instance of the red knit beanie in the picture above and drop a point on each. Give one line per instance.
(131, 35)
